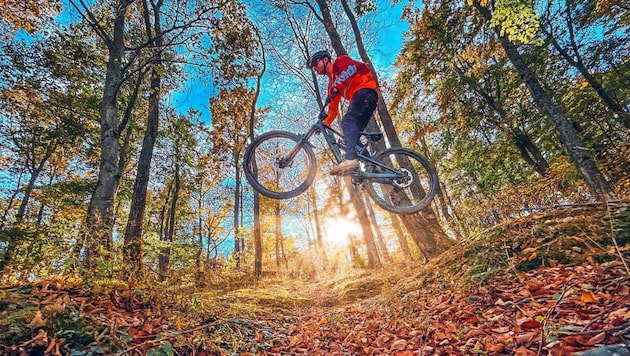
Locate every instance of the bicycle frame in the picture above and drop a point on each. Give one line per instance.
(332, 138)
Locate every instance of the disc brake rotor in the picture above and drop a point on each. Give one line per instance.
(405, 181)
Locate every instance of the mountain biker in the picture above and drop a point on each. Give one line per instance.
(353, 81)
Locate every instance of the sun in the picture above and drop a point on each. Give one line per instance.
(338, 229)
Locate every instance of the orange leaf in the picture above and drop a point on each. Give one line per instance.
(534, 285)
(589, 297)
(37, 321)
(493, 348)
(530, 324)
(472, 319)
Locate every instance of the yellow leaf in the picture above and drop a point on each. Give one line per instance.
(532, 256)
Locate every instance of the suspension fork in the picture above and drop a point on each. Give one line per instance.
(287, 160)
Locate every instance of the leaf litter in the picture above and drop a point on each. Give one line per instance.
(551, 283)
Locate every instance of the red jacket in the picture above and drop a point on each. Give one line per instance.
(348, 76)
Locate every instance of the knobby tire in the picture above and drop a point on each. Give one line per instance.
(421, 179)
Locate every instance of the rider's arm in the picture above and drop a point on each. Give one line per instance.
(333, 110)
(343, 70)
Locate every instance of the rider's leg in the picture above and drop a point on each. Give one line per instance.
(359, 112)
(355, 120)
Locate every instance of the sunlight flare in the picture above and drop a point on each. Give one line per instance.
(338, 231)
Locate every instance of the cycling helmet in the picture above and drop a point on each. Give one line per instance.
(315, 57)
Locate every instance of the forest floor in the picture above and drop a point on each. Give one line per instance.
(552, 283)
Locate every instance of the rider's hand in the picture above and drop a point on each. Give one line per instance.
(332, 94)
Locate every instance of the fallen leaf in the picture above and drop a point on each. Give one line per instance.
(54, 348)
(525, 338)
(534, 285)
(493, 348)
(522, 351)
(55, 308)
(399, 344)
(596, 339)
(38, 321)
(472, 320)
(530, 324)
(588, 297)
(41, 339)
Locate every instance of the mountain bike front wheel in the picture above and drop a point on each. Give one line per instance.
(277, 167)
(414, 187)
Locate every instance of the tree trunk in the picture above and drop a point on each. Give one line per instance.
(355, 258)
(400, 235)
(319, 243)
(528, 150)
(237, 200)
(277, 230)
(382, 246)
(35, 172)
(199, 266)
(132, 258)
(364, 222)
(578, 153)
(258, 246)
(438, 241)
(165, 253)
(5, 214)
(99, 221)
(460, 229)
(330, 27)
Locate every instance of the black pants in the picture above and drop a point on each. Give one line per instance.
(355, 120)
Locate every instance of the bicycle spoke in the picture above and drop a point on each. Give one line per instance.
(275, 176)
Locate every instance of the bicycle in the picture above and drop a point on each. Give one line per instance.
(282, 165)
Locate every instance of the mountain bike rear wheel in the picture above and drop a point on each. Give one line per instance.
(268, 170)
(412, 191)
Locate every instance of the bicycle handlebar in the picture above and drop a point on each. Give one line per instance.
(322, 113)
(322, 116)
